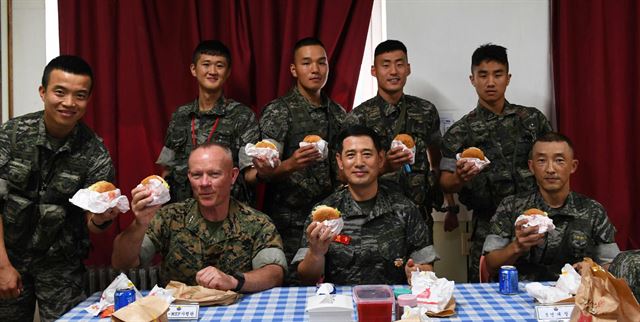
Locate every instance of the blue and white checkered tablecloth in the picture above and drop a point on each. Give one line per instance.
(474, 302)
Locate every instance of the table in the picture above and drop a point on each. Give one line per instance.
(474, 302)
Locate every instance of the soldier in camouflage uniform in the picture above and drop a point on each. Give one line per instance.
(392, 112)
(582, 226)
(45, 157)
(505, 132)
(384, 236)
(302, 179)
(210, 118)
(627, 266)
(214, 241)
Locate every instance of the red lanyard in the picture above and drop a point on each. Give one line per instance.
(193, 130)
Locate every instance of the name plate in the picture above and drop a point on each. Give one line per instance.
(554, 312)
(183, 311)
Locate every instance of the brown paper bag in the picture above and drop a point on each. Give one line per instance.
(449, 310)
(602, 297)
(146, 309)
(201, 295)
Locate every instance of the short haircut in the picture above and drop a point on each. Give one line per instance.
(70, 64)
(213, 48)
(209, 145)
(358, 130)
(389, 46)
(552, 137)
(308, 41)
(489, 52)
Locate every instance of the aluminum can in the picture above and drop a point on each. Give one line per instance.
(508, 280)
(123, 297)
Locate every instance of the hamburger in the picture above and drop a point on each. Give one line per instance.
(472, 152)
(312, 138)
(406, 139)
(266, 144)
(535, 211)
(146, 180)
(322, 213)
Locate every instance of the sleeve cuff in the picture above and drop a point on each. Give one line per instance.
(605, 253)
(300, 254)
(269, 256)
(448, 164)
(3, 188)
(244, 160)
(425, 255)
(166, 157)
(494, 242)
(147, 251)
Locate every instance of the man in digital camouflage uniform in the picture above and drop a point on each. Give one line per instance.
(384, 236)
(392, 112)
(212, 240)
(627, 266)
(505, 132)
(210, 118)
(45, 157)
(582, 226)
(302, 178)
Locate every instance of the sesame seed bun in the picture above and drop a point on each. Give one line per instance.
(534, 211)
(266, 144)
(472, 152)
(102, 186)
(312, 138)
(147, 179)
(406, 139)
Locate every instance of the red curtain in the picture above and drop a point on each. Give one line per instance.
(141, 50)
(596, 64)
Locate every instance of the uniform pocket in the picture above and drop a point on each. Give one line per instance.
(15, 217)
(52, 219)
(391, 246)
(19, 172)
(66, 183)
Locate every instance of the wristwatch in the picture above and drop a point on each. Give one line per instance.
(240, 277)
(455, 209)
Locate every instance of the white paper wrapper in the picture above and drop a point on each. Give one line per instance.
(271, 154)
(433, 293)
(162, 293)
(566, 286)
(322, 146)
(415, 314)
(396, 143)
(569, 280)
(543, 222)
(546, 294)
(99, 202)
(334, 224)
(160, 192)
(480, 164)
(106, 299)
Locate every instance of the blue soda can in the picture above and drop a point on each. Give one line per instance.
(508, 280)
(123, 297)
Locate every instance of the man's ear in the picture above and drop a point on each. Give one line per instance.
(530, 162)
(292, 68)
(192, 67)
(234, 172)
(339, 160)
(41, 90)
(373, 71)
(574, 166)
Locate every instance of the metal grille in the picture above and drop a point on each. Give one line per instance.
(98, 278)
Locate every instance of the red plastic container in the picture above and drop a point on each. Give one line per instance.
(374, 302)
